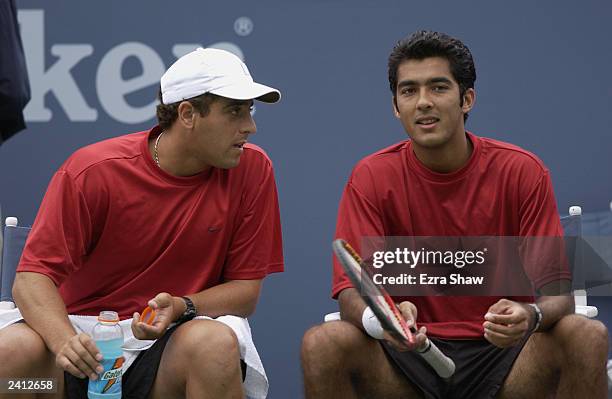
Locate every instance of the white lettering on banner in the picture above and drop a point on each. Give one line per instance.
(111, 88)
(57, 78)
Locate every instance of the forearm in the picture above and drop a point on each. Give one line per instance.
(43, 309)
(235, 297)
(554, 307)
(351, 306)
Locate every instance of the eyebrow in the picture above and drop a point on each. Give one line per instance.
(439, 79)
(239, 103)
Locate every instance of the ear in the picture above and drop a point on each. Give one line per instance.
(394, 105)
(186, 114)
(469, 98)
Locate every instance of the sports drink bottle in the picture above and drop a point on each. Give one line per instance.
(108, 337)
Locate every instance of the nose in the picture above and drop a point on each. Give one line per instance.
(424, 102)
(249, 126)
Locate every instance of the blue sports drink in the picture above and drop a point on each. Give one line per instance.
(108, 337)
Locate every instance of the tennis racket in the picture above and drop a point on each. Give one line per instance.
(386, 311)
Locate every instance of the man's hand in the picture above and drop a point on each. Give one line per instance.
(165, 313)
(409, 311)
(506, 323)
(80, 357)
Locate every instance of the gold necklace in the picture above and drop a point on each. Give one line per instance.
(155, 149)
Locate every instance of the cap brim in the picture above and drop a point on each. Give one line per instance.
(250, 91)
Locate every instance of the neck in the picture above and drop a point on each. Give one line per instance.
(174, 156)
(448, 158)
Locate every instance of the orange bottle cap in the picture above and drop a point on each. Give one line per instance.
(147, 312)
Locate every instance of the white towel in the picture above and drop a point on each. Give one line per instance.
(255, 382)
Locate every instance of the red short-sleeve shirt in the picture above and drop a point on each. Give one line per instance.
(502, 190)
(114, 229)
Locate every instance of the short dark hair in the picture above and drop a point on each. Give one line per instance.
(425, 44)
(168, 113)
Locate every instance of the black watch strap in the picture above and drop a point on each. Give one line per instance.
(189, 313)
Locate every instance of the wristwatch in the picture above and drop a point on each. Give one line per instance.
(538, 316)
(189, 313)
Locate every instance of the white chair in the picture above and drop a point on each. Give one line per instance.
(580, 296)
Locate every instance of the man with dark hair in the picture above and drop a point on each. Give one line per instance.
(183, 218)
(445, 181)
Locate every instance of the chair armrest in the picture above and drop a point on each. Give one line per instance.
(332, 317)
(588, 311)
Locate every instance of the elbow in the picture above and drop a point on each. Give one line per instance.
(251, 302)
(249, 310)
(27, 284)
(250, 306)
(18, 288)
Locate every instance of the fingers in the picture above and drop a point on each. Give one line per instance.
(500, 306)
(79, 360)
(145, 331)
(504, 336)
(161, 300)
(398, 345)
(80, 357)
(91, 350)
(508, 312)
(499, 328)
(155, 331)
(421, 337)
(409, 311)
(136, 329)
(148, 315)
(64, 363)
(504, 330)
(501, 340)
(403, 345)
(511, 318)
(516, 329)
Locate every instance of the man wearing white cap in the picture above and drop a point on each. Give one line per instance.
(183, 218)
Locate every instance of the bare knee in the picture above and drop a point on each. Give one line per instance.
(581, 339)
(23, 352)
(325, 340)
(210, 343)
(329, 345)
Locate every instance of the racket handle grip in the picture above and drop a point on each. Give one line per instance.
(442, 364)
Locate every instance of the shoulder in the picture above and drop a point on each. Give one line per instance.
(387, 156)
(385, 162)
(513, 166)
(511, 155)
(255, 155)
(101, 153)
(254, 169)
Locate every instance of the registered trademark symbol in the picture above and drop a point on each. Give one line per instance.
(243, 26)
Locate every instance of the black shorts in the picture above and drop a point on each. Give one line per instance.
(138, 380)
(480, 368)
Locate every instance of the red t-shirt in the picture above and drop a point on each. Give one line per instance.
(502, 190)
(114, 230)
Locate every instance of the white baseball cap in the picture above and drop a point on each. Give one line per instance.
(209, 70)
